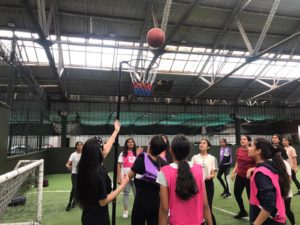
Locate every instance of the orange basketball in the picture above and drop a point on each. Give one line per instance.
(155, 37)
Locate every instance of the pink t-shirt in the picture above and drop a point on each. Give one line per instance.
(127, 162)
(185, 212)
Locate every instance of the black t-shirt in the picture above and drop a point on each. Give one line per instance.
(93, 213)
(146, 188)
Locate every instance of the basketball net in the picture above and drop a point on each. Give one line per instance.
(142, 78)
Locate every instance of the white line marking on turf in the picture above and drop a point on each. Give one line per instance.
(228, 212)
(58, 191)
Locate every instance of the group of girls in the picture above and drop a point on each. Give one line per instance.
(163, 188)
(265, 169)
(168, 186)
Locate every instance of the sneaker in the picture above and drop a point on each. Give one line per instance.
(298, 193)
(228, 195)
(125, 214)
(223, 194)
(68, 207)
(73, 204)
(241, 214)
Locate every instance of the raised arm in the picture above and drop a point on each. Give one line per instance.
(111, 140)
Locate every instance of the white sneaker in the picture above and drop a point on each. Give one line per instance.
(125, 214)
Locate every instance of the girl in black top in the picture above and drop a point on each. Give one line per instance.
(145, 170)
(93, 183)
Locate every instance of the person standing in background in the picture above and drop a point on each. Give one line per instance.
(72, 166)
(209, 164)
(239, 174)
(292, 154)
(224, 167)
(125, 162)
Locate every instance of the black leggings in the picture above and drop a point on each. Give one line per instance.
(145, 209)
(294, 178)
(224, 170)
(289, 212)
(72, 198)
(239, 185)
(209, 185)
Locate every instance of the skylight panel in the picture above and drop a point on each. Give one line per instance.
(41, 55)
(93, 59)
(22, 34)
(77, 58)
(77, 39)
(165, 65)
(6, 33)
(191, 66)
(31, 54)
(178, 65)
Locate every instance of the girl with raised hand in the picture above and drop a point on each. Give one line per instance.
(94, 190)
(182, 189)
(269, 183)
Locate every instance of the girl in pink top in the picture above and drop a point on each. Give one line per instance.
(125, 162)
(182, 189)
(269, 184)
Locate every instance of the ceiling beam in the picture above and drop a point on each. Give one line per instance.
(23, 71)
(185, 3)
(274, 89)
(45, 44)
(266, 26)
(161, 50)
(165, 16)
(141, 21)
(146, 49)
(249, 60)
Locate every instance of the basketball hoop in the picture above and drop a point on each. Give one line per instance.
(142, 78)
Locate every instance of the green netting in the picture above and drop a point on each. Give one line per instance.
(98, 118)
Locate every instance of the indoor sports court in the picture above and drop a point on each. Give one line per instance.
(210, 70)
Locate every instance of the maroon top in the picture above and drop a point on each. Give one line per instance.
(244, 162)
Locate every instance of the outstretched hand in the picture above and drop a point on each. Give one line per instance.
(124, 180)
(117, 125)
(139, 150)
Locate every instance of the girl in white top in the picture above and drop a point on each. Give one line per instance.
(72, 166)
(209, 164)
(292, 160)
(287, 200)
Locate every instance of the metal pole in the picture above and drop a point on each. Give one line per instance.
(114, 203)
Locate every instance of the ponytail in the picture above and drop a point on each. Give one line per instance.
(269, 151)
(186, 186)
(284, 181)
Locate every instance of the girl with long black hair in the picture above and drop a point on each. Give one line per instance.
(269, 183)
(94, 190)
(182, 188)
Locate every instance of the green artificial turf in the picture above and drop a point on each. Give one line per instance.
(55, 199)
